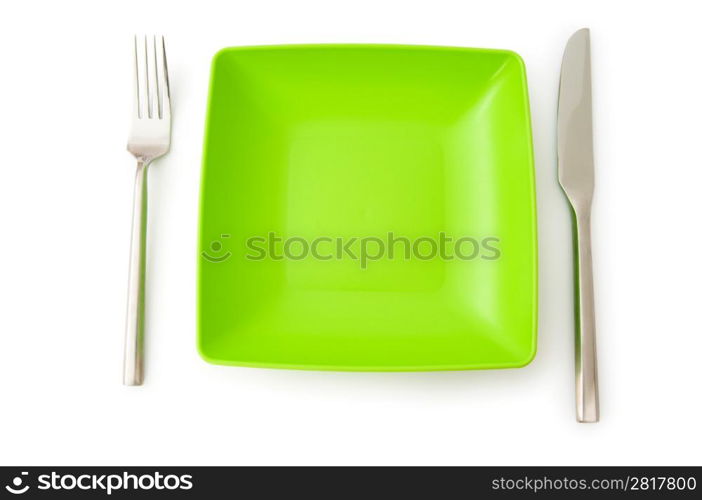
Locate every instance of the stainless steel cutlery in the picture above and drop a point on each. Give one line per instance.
(576, 175)
(149, 138)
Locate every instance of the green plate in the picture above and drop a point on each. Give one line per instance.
(367, 207)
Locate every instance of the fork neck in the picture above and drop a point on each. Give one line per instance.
(143, 162)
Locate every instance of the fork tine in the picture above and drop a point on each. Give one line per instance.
(157, 79)
(141, 79)
(152, 82)
(165, 91)
(137, 94)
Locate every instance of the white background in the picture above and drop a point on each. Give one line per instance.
(65, 205)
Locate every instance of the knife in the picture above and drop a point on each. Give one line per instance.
(576, 176)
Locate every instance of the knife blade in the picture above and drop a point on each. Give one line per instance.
(576, 176)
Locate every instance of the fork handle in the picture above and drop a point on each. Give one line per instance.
(586, 390)
(134, 333)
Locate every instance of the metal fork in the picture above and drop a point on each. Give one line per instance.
(149, 138)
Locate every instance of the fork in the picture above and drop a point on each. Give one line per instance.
(149, 138)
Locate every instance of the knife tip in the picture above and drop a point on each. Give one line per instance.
(582, 32)
(580, 40)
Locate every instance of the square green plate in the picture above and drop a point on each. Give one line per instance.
(425, 151)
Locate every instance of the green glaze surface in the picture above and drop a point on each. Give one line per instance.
(358, 141)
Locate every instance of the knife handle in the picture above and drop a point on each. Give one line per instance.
(586, 390)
